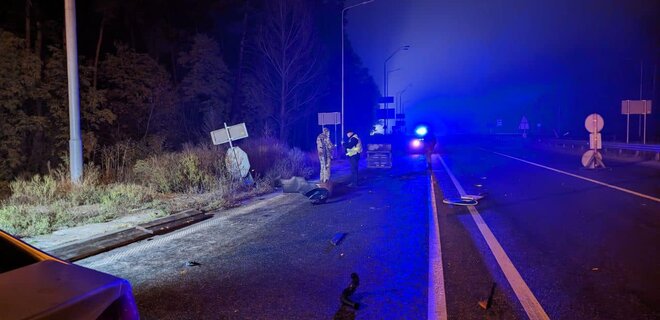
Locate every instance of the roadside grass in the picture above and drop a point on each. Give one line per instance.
(194, 177)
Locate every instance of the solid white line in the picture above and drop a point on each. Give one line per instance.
(527, 299)
(581, 177)
(437, 304)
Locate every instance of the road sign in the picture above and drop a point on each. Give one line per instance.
(329, 118)
(237, 162)
(595, 141)
(592, 159)
(636, 106)
(594, 123)
(499, 122)
(385, 113)
(236, 132)
(641, 107)
(524, 124)
(386, 100)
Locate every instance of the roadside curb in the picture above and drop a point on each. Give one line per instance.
(89, 247)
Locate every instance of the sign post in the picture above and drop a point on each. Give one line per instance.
(330, 118)
(228, 135)
(592, 158)
(640, 107)
(524, 126)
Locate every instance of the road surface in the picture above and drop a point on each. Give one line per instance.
(558, 242)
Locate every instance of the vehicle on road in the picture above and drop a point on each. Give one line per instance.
(36, 285)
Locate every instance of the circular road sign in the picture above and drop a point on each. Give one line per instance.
(587, 158)
(594, 123)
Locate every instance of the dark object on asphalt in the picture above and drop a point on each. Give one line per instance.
(36, 285)
(348, 292)
(460, 202)
(317, 193)
(192, 264)
(485, 304)
(337, 238)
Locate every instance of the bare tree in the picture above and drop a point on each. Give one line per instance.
(288, 45)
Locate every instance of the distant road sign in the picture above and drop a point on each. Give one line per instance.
(636, 106)
(329, 118)
(236, 132)
(499, 122)
(386, 100)
(594, 123)
(524, 124)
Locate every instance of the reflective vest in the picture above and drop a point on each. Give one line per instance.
(356, 149)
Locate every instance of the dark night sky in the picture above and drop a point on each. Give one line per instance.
(472, 62)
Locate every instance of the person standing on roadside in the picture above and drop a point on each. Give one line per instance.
(324, 148)
(353, 151)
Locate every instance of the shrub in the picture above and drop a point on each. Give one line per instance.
(40, 190)
(23, 220)
(118, 198)
(263, 153)
(193, 170)
(295, 163)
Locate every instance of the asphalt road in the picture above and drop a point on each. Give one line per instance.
(585, 250)
(274, 260)
(553, 244)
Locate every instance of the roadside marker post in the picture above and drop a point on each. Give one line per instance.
(229, 134)
(593, 159)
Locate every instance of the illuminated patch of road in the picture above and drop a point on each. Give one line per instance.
(522, 291)
(437, 304)
(641, 195)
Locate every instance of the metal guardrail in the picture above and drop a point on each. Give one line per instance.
(637, 148)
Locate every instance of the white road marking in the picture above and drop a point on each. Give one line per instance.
(527, 299)
(437, 305)
(581, 177)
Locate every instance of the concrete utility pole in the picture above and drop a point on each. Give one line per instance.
(75, 143)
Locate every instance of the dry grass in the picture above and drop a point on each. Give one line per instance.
(160, 181)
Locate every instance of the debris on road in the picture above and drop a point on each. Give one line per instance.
(348, 292)
(192, 264)
(337, 238)
(485, 304)
(460, 202)
(317, 193)
(472, 197)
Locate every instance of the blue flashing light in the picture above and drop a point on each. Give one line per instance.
(421, 131)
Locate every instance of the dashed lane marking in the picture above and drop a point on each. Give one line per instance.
(581, 177)
(437, 304)
(522, 291)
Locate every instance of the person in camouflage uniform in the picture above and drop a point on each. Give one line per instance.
(324, 148)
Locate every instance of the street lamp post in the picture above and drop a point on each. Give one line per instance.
(342, 61)
(385, 77)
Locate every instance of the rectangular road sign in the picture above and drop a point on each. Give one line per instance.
(636, 106)
(595, 141)
(386, 100)
(329, 118)
(237, 131)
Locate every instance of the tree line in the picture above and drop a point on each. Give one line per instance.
(169, 72)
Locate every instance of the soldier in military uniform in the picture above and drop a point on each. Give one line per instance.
(324, 148)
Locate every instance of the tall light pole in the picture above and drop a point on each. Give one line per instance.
(400, 94)
(342, 61)
(385, 74)
(75, 143)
